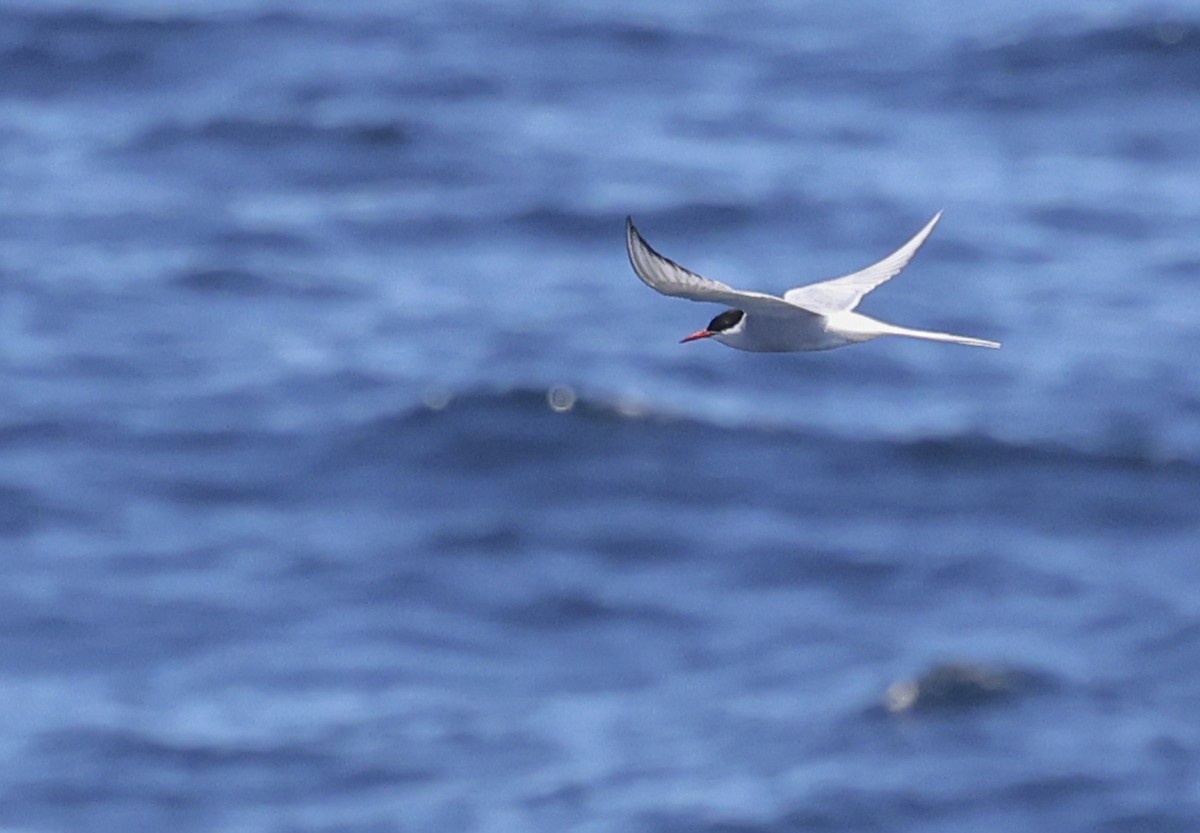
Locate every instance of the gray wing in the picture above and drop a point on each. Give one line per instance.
(845, 293)
(665, 276)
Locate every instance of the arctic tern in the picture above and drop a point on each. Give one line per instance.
(819, 316)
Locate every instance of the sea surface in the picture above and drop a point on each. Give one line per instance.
(350, 480)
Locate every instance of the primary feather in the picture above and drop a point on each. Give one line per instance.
(845, 293)
(665, 276)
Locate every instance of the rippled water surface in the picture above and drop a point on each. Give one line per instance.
(349, 480)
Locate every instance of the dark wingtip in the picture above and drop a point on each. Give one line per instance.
(632, 235)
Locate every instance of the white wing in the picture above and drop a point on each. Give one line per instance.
(669, 278)
(845, 293)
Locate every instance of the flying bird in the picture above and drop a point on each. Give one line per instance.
(819, 316)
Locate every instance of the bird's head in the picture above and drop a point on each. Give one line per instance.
(729, 323)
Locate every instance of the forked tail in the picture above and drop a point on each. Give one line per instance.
(929, 335)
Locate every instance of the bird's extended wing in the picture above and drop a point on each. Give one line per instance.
(845, 293)
(669, 278)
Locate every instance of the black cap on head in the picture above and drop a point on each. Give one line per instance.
(726, 321)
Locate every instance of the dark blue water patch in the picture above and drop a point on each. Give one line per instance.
(1109, 223)
(289, 149)
(695, 218)
(572, 224)
(276, 135)
(634, 540)
(246, 283)
(454, 87)
(864, 809)
(109, 632)
(80, 28)
(76, 53)
(22, 511)
(73, 52)
(83, 23)
(144, 753)
(484, 433)
(1166, 647)
(595, 452)
(1159, 821)
(72, 230)
(853, 575)
(481, 446)
(1182, 268)
(1155, 148)
(208, 492)
(451, 225)
(38, 71)
(883, 582)
(1055, 489)
(35, 431)
(197, 470)
(1065, 69)
(499, 538)
(189, 782)
(869, 808)
(242, 241)
(1057, 793)
(584, 611)
(294, 23)
(605, 54)
(233, 281)
(972, 450)
(858, 136)
(1169, 44)
(958, 251)
(623, 35)
(896, 75)
(987, 574)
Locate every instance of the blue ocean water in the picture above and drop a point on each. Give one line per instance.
(349, 479)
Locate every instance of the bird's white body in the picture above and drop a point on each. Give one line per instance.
(817, 316)
(788, 334)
